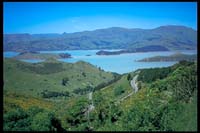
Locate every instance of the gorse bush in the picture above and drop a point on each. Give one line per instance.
(34, 119)
(150, 75)
(182, 82)
(118, 91)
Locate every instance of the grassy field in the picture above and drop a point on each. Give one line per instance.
(32, 79)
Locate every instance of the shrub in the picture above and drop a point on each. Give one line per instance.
(35, 119)
(65, 81)
(118, 91)
(129, 77)
(50, 94)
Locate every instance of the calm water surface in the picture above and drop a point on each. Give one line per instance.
(114, 63)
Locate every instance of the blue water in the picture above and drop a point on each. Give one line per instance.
(78, 52)
(114, 63)
(10, 54)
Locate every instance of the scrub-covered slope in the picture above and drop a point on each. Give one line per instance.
(44, 96)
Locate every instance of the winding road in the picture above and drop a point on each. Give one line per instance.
(134, 87)
(91, 106)
(134, 84)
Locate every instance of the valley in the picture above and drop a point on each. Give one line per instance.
(79, 97)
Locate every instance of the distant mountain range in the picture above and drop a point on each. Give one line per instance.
(169, 37)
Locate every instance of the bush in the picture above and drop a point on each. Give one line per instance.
(50, 94)
(75, 115)
(42, 122)
(118, 91)
(15, 115)
(83, 91)
(129, 77)
(150, 75)
(65, 81)
(83, 73)
(35, 119)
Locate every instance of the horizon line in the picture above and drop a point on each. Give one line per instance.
(102, 29)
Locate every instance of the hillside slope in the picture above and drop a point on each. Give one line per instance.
(36, 98)
(166, 101)
(49, 77)
(169, 37)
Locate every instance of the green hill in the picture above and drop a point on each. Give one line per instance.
(166, 102)
(52, 76)
(44, 97)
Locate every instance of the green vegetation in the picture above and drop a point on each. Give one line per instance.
(55, 98)
(129, 77)
(153, 108)
(182, 82)
(118, 91)
(54, 76)
(152, 74)
(49, 94)
(33, 119)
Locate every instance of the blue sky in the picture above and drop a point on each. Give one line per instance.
(59, 17)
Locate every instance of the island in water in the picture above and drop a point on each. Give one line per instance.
(41, 56)
(151, 48)
(173, 57)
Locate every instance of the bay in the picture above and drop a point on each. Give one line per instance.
(114, 63)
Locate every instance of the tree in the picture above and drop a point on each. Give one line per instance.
(16, 120)
(118, 91)
(42, 122)
(75, 115)
(139, 85)
(83, 73)
(65, 81)
(129, 77)
(34, 119)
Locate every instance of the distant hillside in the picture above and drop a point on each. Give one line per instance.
(174, 57)
(170, 37)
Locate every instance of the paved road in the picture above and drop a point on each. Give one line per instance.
(89, 109)
(90, 96)
(134, 86)
(91, 106)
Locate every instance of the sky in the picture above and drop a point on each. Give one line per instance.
(59, 17)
